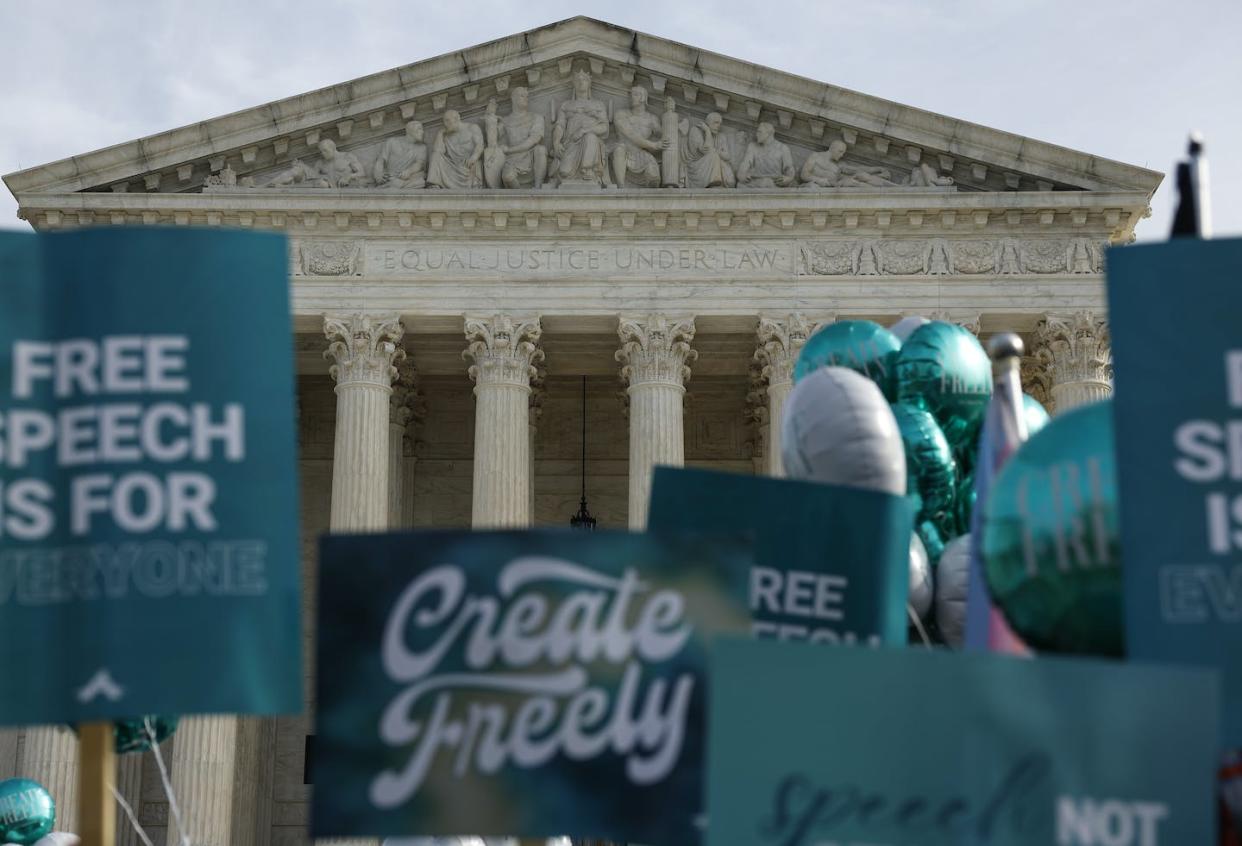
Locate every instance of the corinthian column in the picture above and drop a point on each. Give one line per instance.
(654, 353)
(780, 341)
(50, 757)
(400, 415)
(364, 352)
(203, 758)
(1074, 352)
(504, 351)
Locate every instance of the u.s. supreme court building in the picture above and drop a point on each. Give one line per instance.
(580, 234)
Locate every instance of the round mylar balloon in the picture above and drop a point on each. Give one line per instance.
(930, 469)
(905, 327)
(1050, 543)
(838, 429)
(921, 588)
(943, 368)
(859, 345)
(131, 735)
(27, 811)
(1035, 413)
(952, 578)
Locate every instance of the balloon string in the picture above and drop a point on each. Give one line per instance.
(168, 791)
(918, 625)
(129, 812)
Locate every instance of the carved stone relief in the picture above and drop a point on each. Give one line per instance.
(828, 258)
(939, 256)
(974, 256)
(327, 258)
(582, 141)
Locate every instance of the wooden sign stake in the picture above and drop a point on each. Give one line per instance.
(96, 771)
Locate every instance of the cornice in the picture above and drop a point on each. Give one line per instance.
(1111, 215)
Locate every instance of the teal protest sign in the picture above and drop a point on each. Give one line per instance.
(902, 747)
(1177, 346)
(148, 497)
(533, 684)
(831, 563)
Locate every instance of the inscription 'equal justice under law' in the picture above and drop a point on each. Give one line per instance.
(567, 259)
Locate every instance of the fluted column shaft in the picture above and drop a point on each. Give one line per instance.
(50, 757)
(780, 341)
(1075, 355)
(504, 353)
(364, 351)
(400, 416)
(778, 392)
(203, 767)
(654, 353)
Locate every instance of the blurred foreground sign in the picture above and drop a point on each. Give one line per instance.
(832, 564)
(530, 684)
(148, 496)
(899, 747)
(1176, 317)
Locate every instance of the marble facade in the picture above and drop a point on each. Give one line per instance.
(473, 234)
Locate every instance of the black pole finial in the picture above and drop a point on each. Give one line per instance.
(1193, 217)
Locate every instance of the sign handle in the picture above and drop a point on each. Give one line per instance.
(96, 772)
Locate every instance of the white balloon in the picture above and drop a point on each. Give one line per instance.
(59, 838)
(905, 327)
(952, 578)
(921, 587)
(838, 429)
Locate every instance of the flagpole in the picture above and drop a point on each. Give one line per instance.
(96, 775)
(1193, 216)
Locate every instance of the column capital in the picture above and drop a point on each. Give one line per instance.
(780, 341)
(538, 390)
(363, 348)
(1077, 346)
(655, 348)
(504, 349)
(404, 402)
(1072, 356)
(970, 321)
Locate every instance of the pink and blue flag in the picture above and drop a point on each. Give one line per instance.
(1004, 430)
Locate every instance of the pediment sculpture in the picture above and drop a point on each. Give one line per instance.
(583, 144)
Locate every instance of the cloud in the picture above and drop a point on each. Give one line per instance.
(1124, 80)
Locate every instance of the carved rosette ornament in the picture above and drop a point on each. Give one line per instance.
(504, 350)
(656, 349)
(363, 349)
(1076, 355)
(654, 354)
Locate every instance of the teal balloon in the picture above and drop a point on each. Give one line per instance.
(964, 501)
(943, 368)
(1050, 538)
(933, 539)
(859, 345)
(930, 469)
(27, 811)
(1035, 413)
(132, 736)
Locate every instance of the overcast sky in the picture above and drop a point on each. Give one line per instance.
(1124, 79)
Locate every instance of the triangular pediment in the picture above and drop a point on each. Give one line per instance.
(274, 147)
